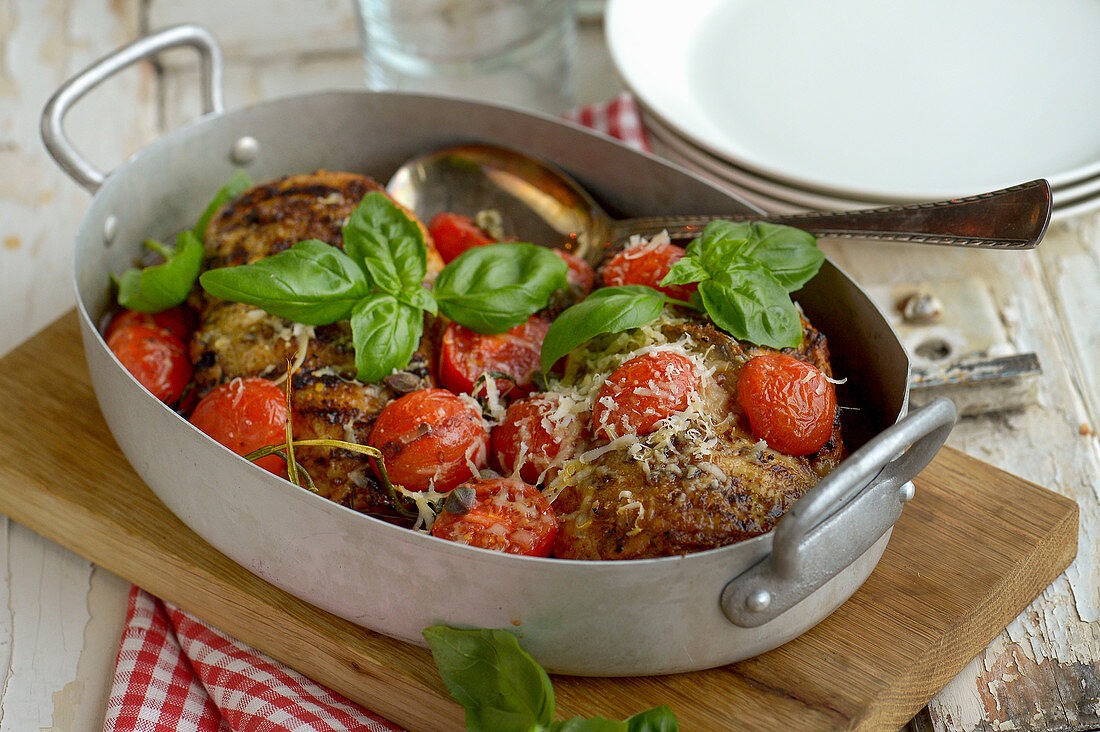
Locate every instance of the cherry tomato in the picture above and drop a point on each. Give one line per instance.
(431, 438)
(508, 515)
(643, 391)
(245, 415)
(647, 264)
(465, 355)
(155, 357)
(581, 275)
(790, 404)
(454, 233)
(180, 320)
(528, 431)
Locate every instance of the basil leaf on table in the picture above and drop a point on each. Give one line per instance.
(492, 288)
(311, 283)
(162, 286)
(388, 244)
(607, 310)
(499, 684)
(657, 719)
(750, 304)
(503, 689)
(385, 332)
(238, 183)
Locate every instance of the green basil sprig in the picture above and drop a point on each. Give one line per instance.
(746, 272)
(503, 689)
(607, 310)
(492, 288)
(162, 286)
(377, 283)
(312, 283)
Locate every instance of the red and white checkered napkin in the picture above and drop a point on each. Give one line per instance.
(176, 674)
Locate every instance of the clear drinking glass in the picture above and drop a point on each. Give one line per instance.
(517, 52)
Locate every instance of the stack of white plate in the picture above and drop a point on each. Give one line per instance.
(803, 104)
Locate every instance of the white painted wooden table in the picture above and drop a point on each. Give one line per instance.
(60, 617)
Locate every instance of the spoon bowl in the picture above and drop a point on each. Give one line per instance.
(542, 204)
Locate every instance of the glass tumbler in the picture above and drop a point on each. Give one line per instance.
(515, 52)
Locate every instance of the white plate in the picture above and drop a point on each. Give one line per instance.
(669, 145)
(774, 197)
(861, 98)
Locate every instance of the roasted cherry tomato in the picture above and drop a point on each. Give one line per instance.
(179, 320)
(643, 391)
(507, 515)
(790, 404)
(647, 264)
(581, 276)
(527, 434)
(454, 233)
(431, 438)
(156, 358)
(465, 355)
(245, 415)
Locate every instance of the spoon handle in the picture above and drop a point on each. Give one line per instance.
(1012, 218)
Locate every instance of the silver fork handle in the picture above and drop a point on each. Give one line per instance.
(53, 114)
(1011, 218)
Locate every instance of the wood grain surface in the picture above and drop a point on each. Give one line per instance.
(968, 555)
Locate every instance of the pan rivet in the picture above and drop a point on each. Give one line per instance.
(907, 491)
(758, 601)
(110, 228)
(245, 150)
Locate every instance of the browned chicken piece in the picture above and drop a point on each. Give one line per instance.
(237, 340)
(272, 217)
(709, 485)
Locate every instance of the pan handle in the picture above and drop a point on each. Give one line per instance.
(840, 518)
(53, 115)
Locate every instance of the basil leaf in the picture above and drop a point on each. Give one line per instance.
(719, 245)
(684, 271)
(791, 254)
(607, 310)
(238, 183)
(388, 244)
(501, 687)
(419, 297)
(385, 332)
(751, 305)
(162, 286)
(312, 283)
(657, 719)
(492, 288)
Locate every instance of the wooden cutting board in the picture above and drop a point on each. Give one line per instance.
(968, 555)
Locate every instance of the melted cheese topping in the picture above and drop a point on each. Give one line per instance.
(681, 444)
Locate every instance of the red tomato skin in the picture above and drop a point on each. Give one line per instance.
(180, 320)
(790, 404)
(245, 415)
(528, 520)
(430, 437)
(581, 275)
(155, 357)
(523, 431)
(647, 264)
(620, 408)
(454, 233)
(465, 355)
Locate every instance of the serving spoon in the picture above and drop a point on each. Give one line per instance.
(543, 205)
